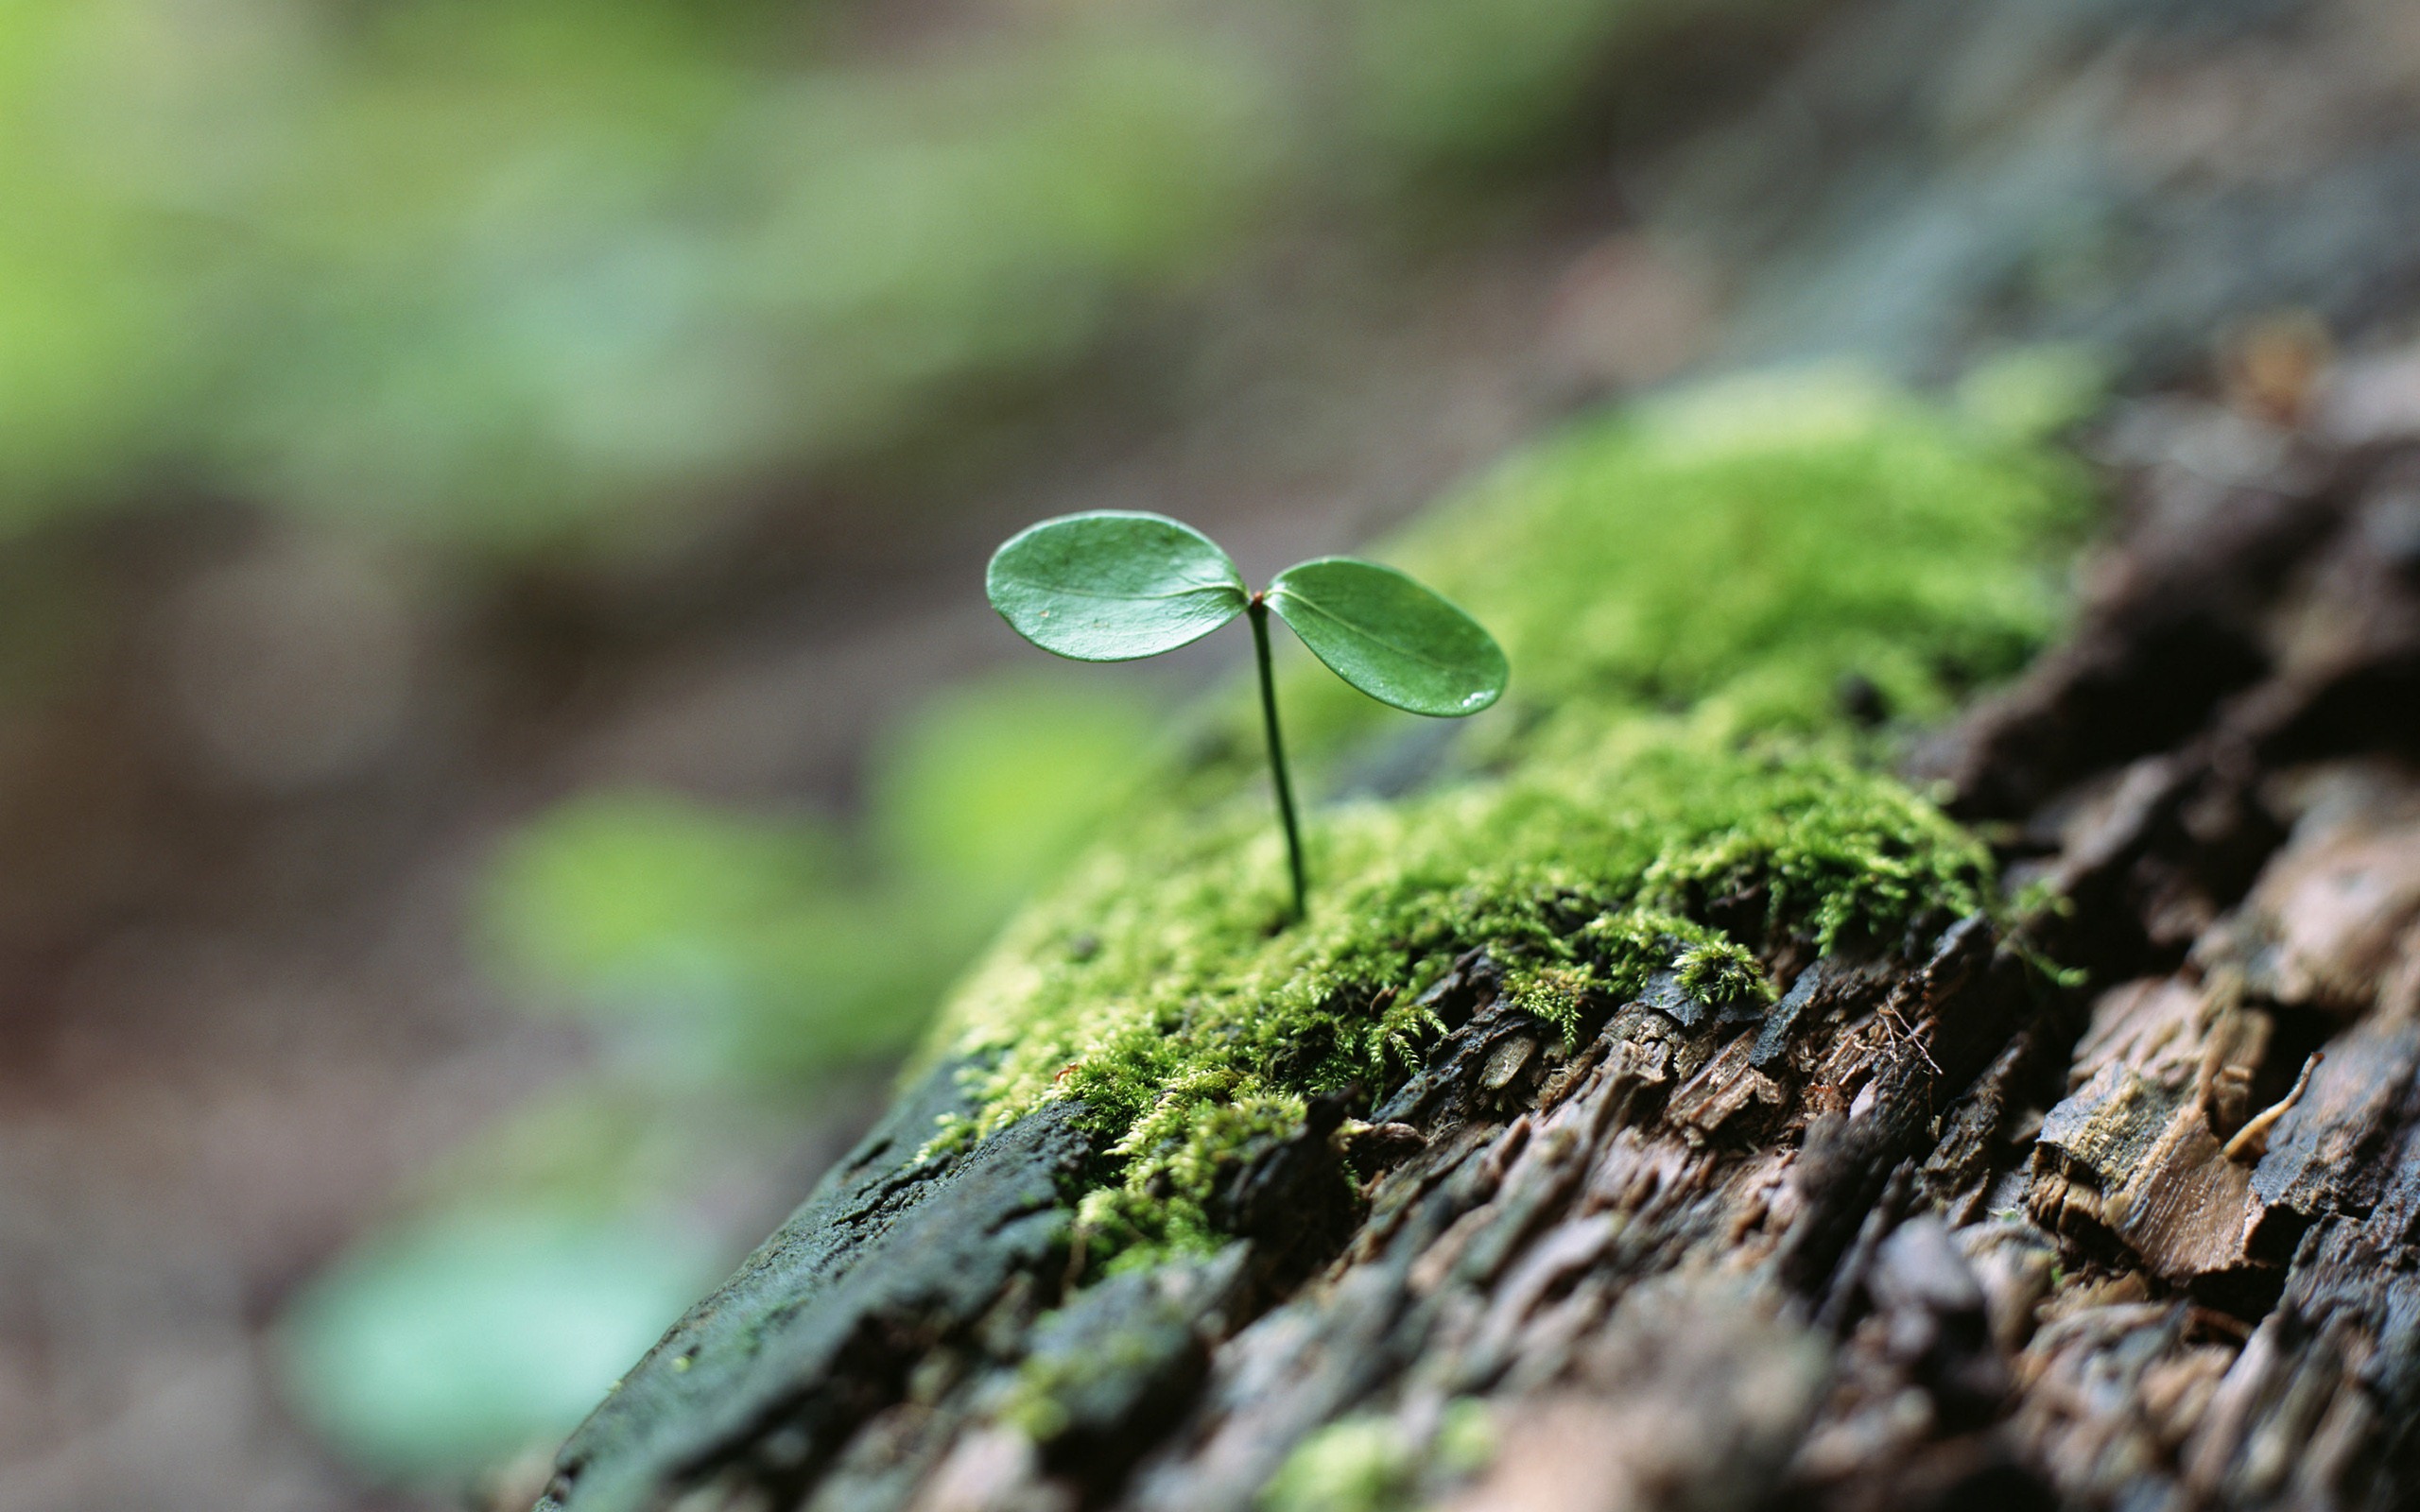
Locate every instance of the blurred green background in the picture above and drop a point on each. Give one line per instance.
(537, 274)
(501, 743)
(426, 428)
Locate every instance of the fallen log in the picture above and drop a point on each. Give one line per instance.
(2101, 1200)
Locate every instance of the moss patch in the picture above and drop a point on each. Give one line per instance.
(1741, 548)
(1366, 1463)
(1683, 591)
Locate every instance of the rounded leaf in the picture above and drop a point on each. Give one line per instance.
(1114, 585)
(1390, 637)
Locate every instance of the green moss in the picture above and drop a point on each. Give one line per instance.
(1682, 590)
(1053, 1386)
(1366, 1463)
(1359, 1464)
(1738, 549)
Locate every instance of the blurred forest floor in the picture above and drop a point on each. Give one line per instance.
(248, 1017)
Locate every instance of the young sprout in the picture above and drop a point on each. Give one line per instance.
(1117, 586)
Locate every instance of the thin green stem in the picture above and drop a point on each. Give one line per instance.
(1259, 613)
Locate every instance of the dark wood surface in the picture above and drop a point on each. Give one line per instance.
(1934, 1230)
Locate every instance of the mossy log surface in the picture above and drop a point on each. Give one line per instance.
(1928, 1225)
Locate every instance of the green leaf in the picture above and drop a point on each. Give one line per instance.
(450, 1346)
(1113, 586)
(1390, 637)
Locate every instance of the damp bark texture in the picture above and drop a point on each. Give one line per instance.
(1934, 1230)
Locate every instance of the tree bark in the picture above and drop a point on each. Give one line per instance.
(1938, 1228)
(1933, 1228)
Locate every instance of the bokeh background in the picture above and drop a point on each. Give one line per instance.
(501, 743)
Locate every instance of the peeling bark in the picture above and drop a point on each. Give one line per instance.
(1929, 1230)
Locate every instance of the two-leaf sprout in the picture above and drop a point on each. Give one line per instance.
(1117, 585)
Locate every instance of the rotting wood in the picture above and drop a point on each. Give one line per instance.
(1926, 1233)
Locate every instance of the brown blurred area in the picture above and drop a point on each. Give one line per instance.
(260, 747)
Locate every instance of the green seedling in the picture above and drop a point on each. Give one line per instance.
(1117, 586)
